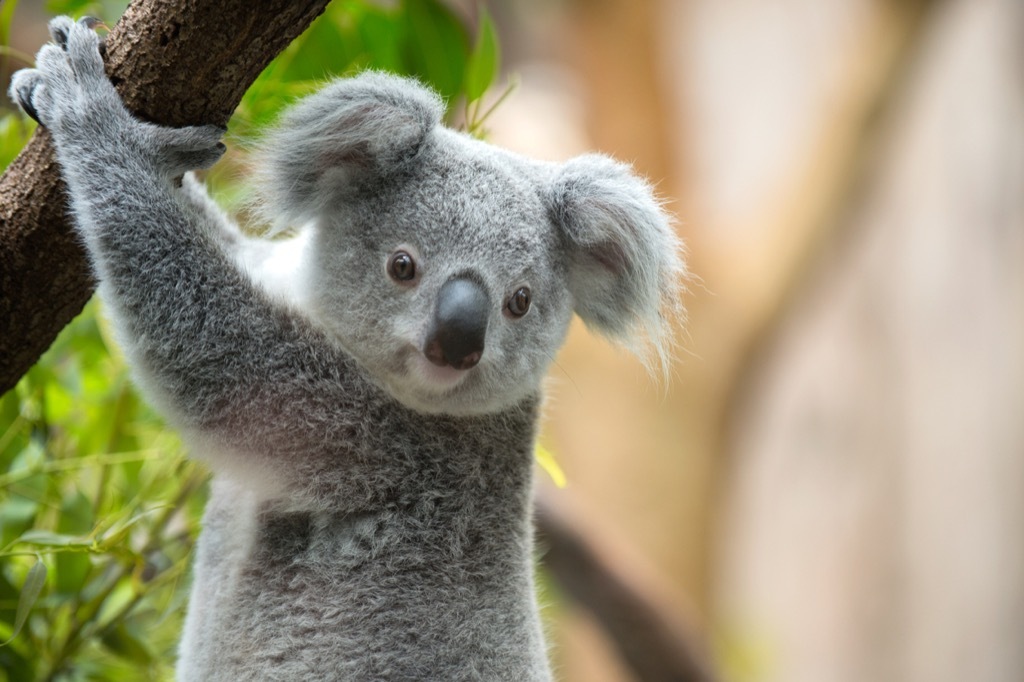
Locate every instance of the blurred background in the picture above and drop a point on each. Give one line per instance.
(830, 486)
(833, 485)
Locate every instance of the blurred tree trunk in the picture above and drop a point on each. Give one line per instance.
(180, 62)
(618, 50)
(616, 46)
(628, 109)
(876, 511)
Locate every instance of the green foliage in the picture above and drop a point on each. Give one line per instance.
(14, 133)
(98, 512)
(108, 10)
(99, 507)
(482, 66)
(419, 38)
(6, 15)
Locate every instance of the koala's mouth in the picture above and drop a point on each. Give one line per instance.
(434, 377)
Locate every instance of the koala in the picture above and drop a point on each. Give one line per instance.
(366, 394)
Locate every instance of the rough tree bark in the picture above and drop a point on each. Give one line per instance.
(184, 62)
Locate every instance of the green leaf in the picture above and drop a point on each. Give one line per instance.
(108, 10)
(550, 465)
(14, 133)
(379, 31)
(45, 538)
(35, 579)
(325, 50)
(71, 7)
(118, 533)
(6, 14)
(436, 45)
(126, 643)
(483, 62)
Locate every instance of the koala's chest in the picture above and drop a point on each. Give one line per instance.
(335, 544)
(337, 574)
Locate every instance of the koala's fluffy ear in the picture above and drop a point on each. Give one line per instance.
(625, 268)
(344, 138)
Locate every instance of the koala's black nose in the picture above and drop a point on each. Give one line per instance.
(456, 338)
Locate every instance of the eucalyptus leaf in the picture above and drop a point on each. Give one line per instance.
(377, 29)
(46, 538)
(436, 45)
(482, 66)
(35, 579)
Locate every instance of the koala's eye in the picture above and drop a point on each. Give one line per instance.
(519, 303)
(401, 267)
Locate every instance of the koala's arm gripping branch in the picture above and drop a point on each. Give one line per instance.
(176, 62)
(207, 341)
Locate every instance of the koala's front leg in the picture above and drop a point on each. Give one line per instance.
(70, 95)
(205, 343)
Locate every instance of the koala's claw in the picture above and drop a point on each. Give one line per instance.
(93, 23)
(23, 88)
(69, 71)
(26, 106)
(59, 27)
(80, 42)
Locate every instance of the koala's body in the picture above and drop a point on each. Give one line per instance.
(369, 407)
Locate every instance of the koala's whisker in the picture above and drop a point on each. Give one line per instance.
(556, 363)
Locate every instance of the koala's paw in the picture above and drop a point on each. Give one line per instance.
(69, 93)
(178, 150)
(26, 85)
(69, 81)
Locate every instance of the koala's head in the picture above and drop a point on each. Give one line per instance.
(449, 268)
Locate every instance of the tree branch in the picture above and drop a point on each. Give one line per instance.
(652, 639)
(177, 63)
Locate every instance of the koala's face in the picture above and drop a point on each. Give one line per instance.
(449, 268)
(449, 286)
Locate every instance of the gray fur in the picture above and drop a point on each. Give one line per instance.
(370, 514)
